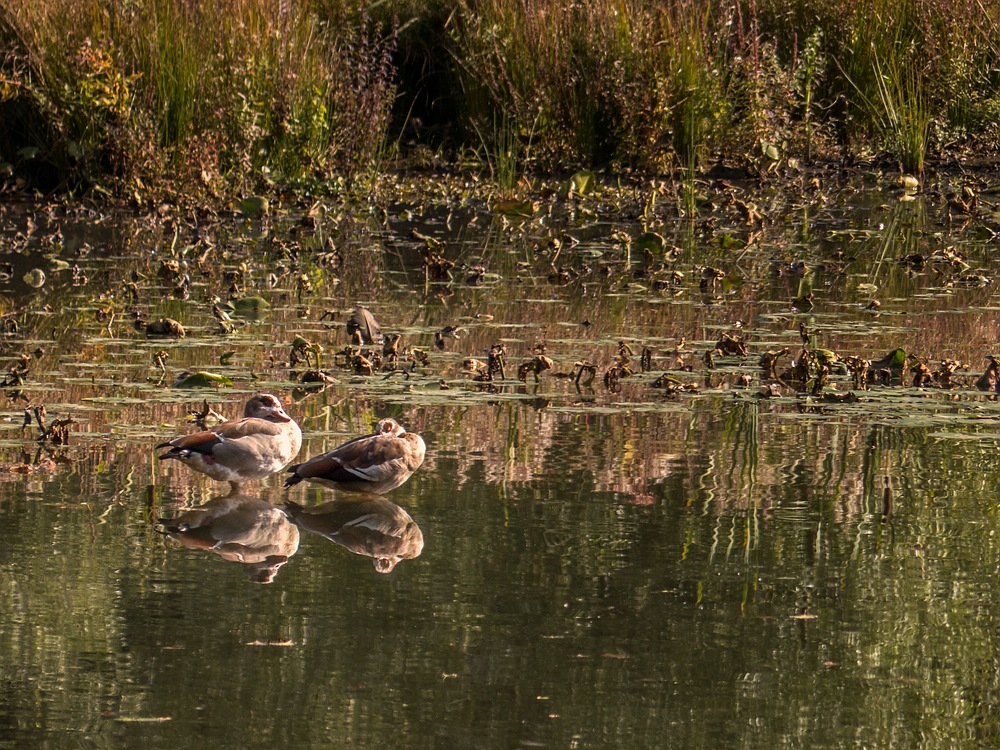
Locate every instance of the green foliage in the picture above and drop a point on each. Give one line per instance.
(216, 96)
(808, 76)
(505, 153)
(579, 78)
(695, 101)
(221, 98)
(883, 66)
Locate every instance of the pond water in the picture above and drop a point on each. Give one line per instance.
(604, 563)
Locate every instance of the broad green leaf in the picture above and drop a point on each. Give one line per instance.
(582, 183)
(255, 206)
(203, 379)
(648, 241)
(250, 307)
(35, 278)
(515, 208)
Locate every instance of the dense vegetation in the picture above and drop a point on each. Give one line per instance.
(160, 98)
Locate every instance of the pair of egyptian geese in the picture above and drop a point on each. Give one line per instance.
(266, 439)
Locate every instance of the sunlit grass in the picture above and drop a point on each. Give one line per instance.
(223, 98)
(219, 95)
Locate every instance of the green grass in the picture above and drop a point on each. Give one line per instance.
(212, 100)
(210, 97)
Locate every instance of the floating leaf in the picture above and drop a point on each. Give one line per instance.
(582, 183)
(35, 278)
(515, 208)
(250, 307)
(165, 327)
(826, 356)
(363, 322)
(255, 206)
(432, 243)
(649, 241)
(202, 379)
(729, 242)
(894, 360)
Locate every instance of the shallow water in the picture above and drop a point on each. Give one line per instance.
(601, 567)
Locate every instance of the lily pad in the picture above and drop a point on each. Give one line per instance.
(649, 241)
(35, 278)
(364, 323)
(202, 379)
(250, 307)
(894, 360)
(255, 206)
(729, 242)
(515, 208)
(580, 184)
(165, 327)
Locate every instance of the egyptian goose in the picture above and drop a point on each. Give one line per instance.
(375, 463)
(366, 525)
(239, 528)
(242, 450)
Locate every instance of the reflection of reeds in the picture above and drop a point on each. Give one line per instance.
(103, 373)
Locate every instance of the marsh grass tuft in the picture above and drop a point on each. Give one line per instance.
(884, 67)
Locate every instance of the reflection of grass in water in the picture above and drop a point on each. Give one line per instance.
(900, 236)
(527, 309)
(780, 522)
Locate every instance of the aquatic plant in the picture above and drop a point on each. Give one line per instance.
(579, 79)
(882, 64)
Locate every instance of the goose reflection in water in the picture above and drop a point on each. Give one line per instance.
(239, 528)
(367, 525)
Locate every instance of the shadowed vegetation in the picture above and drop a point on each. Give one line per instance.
(193, 97)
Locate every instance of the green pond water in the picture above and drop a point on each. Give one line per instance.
(602, 565)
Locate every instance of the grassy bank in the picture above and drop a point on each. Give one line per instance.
(221, 98)
(213, 97)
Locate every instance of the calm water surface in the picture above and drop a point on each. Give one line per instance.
(600, 567)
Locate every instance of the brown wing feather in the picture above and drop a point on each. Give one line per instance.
(323, 466)
(381, 450)
(245, 427)
(196, 441)
(415, 451)
(380, 462)
(352, 460)
(232, 430)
